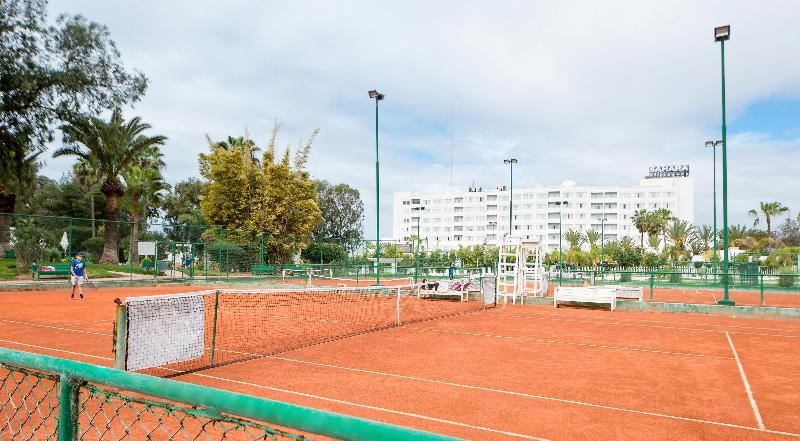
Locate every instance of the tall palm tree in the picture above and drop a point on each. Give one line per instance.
(88, 179)
(769, 210)
(113, 146)
(641, 219)
(705, 235)
(143, 190)
(737, 232)
(592, 236)
(658, 223)
(575, 239)
(680, 233)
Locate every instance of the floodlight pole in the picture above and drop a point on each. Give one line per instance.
(511, 163)
(726, 300)
(416, 249)
(560, 252)
(714, 259)
(378, 97)
(602, 241)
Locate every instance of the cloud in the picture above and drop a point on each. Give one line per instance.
(590, 91)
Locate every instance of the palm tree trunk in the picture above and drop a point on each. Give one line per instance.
(135, 234)
(111, 232)
(91, 208)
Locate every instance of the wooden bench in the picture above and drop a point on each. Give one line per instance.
(53, 269)
(585, 294)
(260, 269)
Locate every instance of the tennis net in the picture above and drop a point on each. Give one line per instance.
(169, 335)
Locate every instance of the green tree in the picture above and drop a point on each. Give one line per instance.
(182, 214)
(88, 179)
(737, 232)
(705, 236)
(342, 214)
(592, 237)
(144, 187)
(641, 221)
(51, 74)
(113, 147)
(680, 233)
(769, 210)
(575, 239)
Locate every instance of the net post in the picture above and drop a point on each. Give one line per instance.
(214, 328)
(67, 409)
(120, 335)
(398, 307)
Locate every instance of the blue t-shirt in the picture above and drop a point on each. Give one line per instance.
(78, 266)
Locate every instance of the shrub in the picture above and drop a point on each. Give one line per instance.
(28, 243)
(675, 278)
(625, 277)
(330, 252)
(785, 277)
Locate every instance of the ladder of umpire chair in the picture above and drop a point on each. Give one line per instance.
(508, 280)
(531, 260)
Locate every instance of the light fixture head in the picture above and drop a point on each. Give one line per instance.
(509, 161)
(377, 95)
(719, 143)
(709, 143)
(722, 33)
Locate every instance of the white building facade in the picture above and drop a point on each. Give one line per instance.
(477, 215)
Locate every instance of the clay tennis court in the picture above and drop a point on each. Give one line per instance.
(512, 372)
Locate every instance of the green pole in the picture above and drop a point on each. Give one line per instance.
(761, 286)
(261, 250)
(511, 200)
(214, 328)
(67, 409)
(378, 200)
(416, 253)
(714, 259)
(652, 283)
(219, 242)
(726, 300)
(602, 240)
(69, 239)
(560, 254)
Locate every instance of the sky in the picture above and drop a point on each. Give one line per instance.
(594, 92)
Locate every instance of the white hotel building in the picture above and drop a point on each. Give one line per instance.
(479, 215)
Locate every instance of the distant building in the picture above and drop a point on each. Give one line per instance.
(479, 215)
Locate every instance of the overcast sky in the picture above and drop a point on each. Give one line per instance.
(589, 91)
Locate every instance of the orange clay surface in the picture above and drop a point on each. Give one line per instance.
(513, 372)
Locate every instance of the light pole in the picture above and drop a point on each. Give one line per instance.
(560, 205)
(722, 34)
(511, 163)
(373, 94)
(602, 240)
(714, 145)
(416, 248)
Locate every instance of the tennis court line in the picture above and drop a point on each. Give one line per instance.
(589, 345)
(747, 389)
(663, 322)
(715, 297)
(56, 350)
(653, 326)
(521, 394)
(53, 327)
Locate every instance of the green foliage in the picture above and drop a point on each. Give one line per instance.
(329, 252)
(782, 257)
(481, 256)
(28, 243)
(625, 277)
(53, 73)
(247, 196)
(786, 278)
(651, 260)
(769, 210)
(182, 211)
(342, 214)
(93, 246)
(574, 238)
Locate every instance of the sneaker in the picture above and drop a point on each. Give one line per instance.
(83, 298)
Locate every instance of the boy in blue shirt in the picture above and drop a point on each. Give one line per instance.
(79, 274)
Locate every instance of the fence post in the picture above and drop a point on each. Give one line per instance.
(652, 284)
(219, 246)
(761, 288)
(69, 239)
(68, 409)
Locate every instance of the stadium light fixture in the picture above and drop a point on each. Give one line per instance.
(374, 94)
(722, 33)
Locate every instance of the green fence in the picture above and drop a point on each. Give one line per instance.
(47, 398)
(753, 289)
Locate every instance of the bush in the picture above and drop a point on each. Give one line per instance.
(785, 277)
(675, 278)
(330, 252)
(93, 247)
(625, 277)
(28, 244)
(51, 254)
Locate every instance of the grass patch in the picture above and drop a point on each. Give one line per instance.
(8, 269)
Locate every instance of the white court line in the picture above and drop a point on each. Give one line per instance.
(589, 345)
(56, 350)
(619, 323)
(715, 297)
(753, 404)
(540, 397)
(664, 322)
(54, 327)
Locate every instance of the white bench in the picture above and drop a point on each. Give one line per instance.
(585, 294)
(446, 288)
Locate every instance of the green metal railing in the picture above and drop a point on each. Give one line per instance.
(50, 398)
